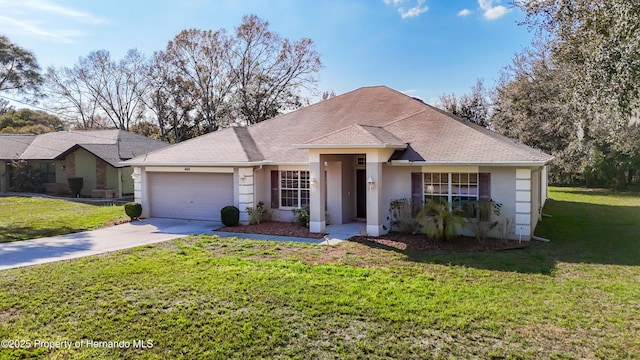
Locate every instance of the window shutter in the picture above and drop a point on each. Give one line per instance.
(416, 192)
(484, 185)
(275, 190)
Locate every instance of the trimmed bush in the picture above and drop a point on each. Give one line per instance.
(133, 210)
(75, 185)
(301, 216)
(230, 215)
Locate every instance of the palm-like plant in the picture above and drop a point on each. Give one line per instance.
(439, 221)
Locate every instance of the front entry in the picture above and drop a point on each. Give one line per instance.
(361, 193)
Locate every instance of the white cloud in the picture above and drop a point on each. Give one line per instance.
(34, 28)
(46, 19)
(412, 11)
(46, 6)
(464, 12)
(491, 12)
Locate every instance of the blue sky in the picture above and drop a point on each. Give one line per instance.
(424, 48)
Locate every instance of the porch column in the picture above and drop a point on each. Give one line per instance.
(317, 221)
(375, 208)
(120, 180)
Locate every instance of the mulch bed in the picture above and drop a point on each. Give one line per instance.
(458, 244)
(278, 228)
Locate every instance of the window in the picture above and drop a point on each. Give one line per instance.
(48, 172)
(294, 188)
(455, 188)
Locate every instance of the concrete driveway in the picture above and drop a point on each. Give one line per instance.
(71, 246)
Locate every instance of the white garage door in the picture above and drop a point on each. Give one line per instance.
(189, 196)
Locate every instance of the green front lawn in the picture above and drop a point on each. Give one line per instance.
(210, 297)
(24, 218)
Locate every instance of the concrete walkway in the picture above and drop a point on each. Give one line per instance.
(137, 233)
(124, 236)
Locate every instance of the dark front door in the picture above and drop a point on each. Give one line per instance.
(361, 193)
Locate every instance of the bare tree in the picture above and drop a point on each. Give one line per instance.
(270, 72)
(197, 62)
(99, 86)
(69, 96)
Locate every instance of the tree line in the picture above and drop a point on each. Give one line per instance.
(202, 81)
(573, 93)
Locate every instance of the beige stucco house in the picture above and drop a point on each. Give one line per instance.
(346, 158)
(97, 156)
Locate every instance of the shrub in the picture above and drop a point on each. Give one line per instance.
(479, 215)
(401, 217)
(301, 216)
(75, 185)
(258, 214)
(230, 215)
(24, 177)
(133, 210)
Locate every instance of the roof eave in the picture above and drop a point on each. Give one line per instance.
(470, 163)
(350, 146)
(198, 164)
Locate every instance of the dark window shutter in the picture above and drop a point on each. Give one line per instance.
(275, 190)
(484, 186)
(416, 192)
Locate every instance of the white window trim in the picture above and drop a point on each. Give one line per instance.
(280, 206)
(450, 194)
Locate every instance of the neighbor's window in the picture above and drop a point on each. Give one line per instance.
(48, 172)
(294, 188)
(456, 188)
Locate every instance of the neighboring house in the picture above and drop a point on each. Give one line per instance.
(346, 158)
(96, 156)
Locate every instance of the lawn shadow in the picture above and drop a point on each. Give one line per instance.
(19, 233)
(525, 259)
(579, 233)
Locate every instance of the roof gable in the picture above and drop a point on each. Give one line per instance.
(356, 136)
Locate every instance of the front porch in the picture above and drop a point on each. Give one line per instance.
(347, 186)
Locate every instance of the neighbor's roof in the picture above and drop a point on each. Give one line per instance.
(367, 117)
(12, 146)
(112, 146)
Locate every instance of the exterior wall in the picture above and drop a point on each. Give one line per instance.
(127, 180)
(544, 185)
(113, 178)
(503, 188)
(85, 167)
(536, 210)
(503, 185)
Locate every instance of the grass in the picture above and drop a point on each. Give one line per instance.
(218, 298)
(24, 218)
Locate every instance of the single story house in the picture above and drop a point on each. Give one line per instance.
(97, 156)
(345, 158)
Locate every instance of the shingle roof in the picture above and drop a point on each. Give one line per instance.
(369, 116)
(113, 146)
(11, 146)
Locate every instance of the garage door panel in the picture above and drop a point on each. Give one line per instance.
(194, 196)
